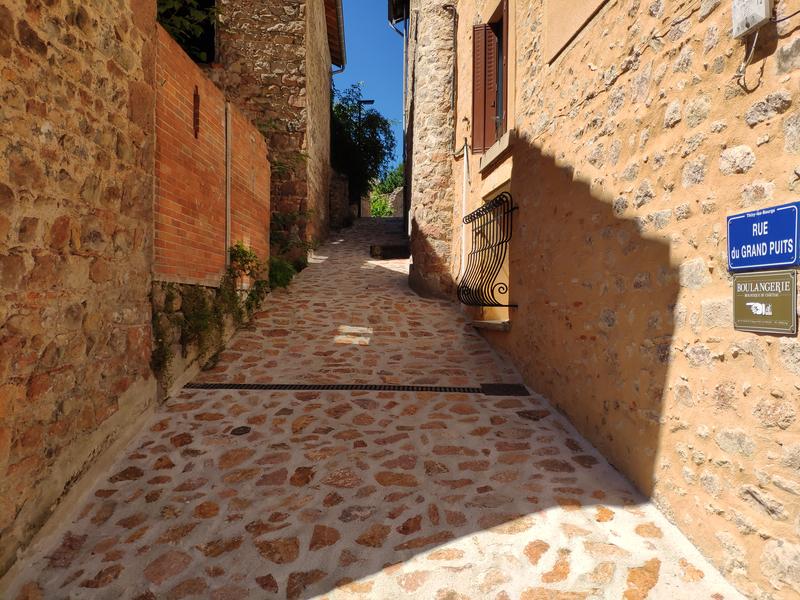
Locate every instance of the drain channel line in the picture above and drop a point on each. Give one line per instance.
(486, 389)
(328, 387)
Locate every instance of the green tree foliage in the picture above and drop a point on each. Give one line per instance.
(393, 180)
(379, 194)
(362, 142)
(379, 205)
(191, 24)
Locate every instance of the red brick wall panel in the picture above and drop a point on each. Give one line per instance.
(190, 172)
(250, 186)
(190, 217)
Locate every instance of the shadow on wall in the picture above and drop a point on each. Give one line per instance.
(429, 276)
(596, 299)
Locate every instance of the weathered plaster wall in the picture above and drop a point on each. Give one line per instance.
(430, 130)
(76, 197)
(318, 128)
(628, 153)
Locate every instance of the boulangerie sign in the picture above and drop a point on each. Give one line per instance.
(765, 302)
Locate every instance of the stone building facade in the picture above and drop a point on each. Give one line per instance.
(76, 235)
(429, 138)
(632, 131)
(273, 61)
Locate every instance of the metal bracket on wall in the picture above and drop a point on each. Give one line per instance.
(491, 233)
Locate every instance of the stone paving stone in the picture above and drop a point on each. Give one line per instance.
(357, 494)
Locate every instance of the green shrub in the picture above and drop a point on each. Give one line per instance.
(300, 263)
(380, 205)
(394, 179)
(204, 311)
(281, 272)
(200, 320)
(191, 24)
(256, 295)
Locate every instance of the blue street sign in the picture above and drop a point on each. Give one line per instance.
(765, 238)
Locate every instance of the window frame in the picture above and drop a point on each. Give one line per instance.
(490, 102)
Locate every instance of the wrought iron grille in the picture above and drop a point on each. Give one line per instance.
(491, 232)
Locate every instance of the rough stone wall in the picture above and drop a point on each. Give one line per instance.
(630, 150)
(341, 215)
(180, 311)
(396, 202)
(431, 138)
(263, 50)
(76, 197)
(318, 115)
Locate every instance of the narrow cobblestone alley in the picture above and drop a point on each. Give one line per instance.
(362, 494)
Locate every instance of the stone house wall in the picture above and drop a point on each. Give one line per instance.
(318, 120)
(271, 63)
(627, 152)
(429, 135)
(341, 215)
(76, 197)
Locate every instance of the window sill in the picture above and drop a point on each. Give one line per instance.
(492, 325)
(497, 151)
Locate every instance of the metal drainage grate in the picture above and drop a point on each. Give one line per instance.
(487, 389)
(504, 389)
(329, 387)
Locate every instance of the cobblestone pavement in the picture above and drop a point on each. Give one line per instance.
(446, 496)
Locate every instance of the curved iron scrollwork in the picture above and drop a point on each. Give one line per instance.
(491, 232)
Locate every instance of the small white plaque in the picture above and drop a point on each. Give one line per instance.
(749, 15)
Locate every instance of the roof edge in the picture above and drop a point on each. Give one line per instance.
(397, 10)
(335, 29)
(340, 14)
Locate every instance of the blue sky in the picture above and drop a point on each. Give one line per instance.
(375, 58)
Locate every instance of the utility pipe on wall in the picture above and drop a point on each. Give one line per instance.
(464, 153)
(228, 178)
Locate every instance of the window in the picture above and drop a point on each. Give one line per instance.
(490, 80)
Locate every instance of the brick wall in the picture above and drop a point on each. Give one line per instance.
(190, 214)
(250, 211)
(253, 37)
(190, 172)
(76, 197)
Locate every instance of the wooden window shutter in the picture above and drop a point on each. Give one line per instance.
(479, 36)
(490, 118)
